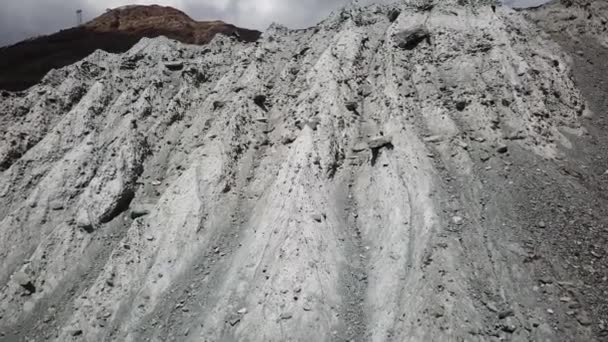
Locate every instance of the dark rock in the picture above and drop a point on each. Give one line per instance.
(461, 105)
(352, 106)
(260, 101)
(25, 281)
(56, 206)
(76, 332)
(218, 105)
(139, 212)
(174, 66)
(393, 15)
(376, 144)
(410, 38)
(502, 149)
(288, 139)
(505, 313)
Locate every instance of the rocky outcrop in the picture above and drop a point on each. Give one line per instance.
(321, 184)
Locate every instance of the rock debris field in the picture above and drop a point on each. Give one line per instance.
(402, 172)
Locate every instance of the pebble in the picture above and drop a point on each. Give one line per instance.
(502, 149)
(286, 316)
(457, 220)
(542, 224)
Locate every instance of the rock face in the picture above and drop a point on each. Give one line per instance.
(242, 196)
(24, 64)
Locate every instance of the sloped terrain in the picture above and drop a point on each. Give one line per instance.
(24, 64)
(396, 173)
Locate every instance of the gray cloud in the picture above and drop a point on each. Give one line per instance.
(21, 19)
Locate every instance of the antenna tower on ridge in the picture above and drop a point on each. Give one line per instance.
(79, 17)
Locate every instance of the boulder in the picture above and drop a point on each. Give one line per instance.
(410, 38)
(379, 142)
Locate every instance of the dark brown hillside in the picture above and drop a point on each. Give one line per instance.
(25, 63)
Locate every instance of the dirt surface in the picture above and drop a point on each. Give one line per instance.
(399, 172)
(24, 64)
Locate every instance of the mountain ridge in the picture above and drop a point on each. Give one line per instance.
(23, 64)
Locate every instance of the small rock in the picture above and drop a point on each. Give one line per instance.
(24, 280)
(502, 149)
(461, 105)
(505, 313)
(285, 316)
(139, 212)
(380, 142)
(484, 156)
(352, 106)
(242, 311)
(174, 66)
(56, 206)
(457, 220)
(583, 318)
(433, 139)
(288, 139)
(542, 224)
(550, 311)
(313, 124)
(260, 101)
(77, 332)
(410, 38)
(359, 147)
(508, 325)
(393, 15)
(317, 217)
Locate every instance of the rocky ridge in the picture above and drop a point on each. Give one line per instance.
(381, 176)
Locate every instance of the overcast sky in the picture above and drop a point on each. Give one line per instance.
(21, 19)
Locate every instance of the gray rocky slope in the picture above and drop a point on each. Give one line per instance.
(395, 173)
